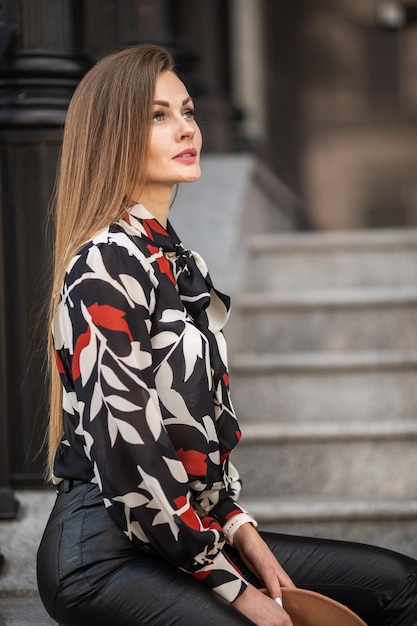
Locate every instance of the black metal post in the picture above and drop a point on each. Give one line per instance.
(39, 71)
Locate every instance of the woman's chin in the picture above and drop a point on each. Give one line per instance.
(192, 176)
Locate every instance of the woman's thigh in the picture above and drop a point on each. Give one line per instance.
(377, 584)
(90, 573)
(146, 592)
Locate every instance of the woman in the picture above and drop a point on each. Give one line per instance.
(146, 528)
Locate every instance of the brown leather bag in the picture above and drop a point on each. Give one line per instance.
(308, 608)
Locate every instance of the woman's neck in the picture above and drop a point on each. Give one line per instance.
(157, 201)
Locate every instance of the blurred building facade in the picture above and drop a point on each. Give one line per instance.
(315, 88)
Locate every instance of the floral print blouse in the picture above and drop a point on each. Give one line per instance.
(146, 406)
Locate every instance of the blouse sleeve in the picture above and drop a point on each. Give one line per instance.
(104, 323)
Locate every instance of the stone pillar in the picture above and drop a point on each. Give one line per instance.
(248, 76)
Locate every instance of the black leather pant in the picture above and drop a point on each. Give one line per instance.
(90, 573)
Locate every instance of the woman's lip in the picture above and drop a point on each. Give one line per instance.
(186, 159)
(187, 154)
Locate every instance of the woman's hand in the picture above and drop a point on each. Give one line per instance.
(256, 555)
(261, 609)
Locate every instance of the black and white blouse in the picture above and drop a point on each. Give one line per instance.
(146, 405)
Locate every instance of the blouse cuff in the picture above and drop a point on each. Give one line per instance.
(223, 577)
(225, 510)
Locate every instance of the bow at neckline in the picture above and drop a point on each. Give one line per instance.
(195, 289)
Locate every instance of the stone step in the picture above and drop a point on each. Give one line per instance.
(329, 459)
(332, 259)
(19, 541)
(343, 319)
(295, 432)
(390, 523)
(23, 611)
(341, 386)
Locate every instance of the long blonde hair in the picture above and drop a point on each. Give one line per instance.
(103, 158)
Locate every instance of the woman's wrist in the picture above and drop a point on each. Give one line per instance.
(235, 523)
(243, 534)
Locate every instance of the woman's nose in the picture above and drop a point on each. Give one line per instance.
(185, 129)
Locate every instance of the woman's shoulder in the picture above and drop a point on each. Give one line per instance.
(113, 250)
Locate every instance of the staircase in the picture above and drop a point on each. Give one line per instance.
(323, 363)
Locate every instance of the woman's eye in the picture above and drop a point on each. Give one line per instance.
(189, 114)
(158, 116)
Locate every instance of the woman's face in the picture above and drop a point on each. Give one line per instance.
(175, 140)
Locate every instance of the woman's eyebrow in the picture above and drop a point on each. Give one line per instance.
(165, 103)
